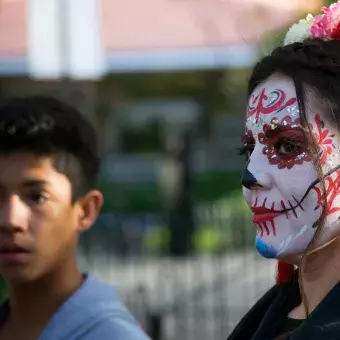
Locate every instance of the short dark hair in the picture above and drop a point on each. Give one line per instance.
(45, 126)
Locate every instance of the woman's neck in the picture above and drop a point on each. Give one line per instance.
(319, 274)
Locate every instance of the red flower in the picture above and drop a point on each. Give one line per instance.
(336, 32)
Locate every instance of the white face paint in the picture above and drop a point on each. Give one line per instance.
(280, 183)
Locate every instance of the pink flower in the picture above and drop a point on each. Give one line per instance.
(321, 26)
(324, 24)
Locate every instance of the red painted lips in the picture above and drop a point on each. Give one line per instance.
(262, 214)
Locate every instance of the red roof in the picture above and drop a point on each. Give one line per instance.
(134, 28)
(156, 24)
(13, 27)
(153, 24)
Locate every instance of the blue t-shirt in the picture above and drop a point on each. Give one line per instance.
(93, 312)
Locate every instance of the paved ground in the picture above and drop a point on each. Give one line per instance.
(200, 298)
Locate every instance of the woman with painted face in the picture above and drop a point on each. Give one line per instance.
(292, 181)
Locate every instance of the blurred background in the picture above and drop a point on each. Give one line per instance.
(164, 83)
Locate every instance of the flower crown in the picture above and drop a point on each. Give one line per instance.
(324, 26)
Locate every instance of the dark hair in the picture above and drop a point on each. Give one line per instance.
(44, 126)
(313, 63)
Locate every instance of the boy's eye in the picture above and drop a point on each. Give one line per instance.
(37, 198)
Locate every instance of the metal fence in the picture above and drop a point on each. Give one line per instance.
(201, 296)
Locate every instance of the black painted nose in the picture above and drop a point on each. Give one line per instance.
(248, 179)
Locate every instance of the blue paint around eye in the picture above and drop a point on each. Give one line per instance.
(264, 249)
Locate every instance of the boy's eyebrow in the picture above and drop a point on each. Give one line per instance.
(32, 182)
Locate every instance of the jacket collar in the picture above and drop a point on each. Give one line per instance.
(265, 317)
(323, 323)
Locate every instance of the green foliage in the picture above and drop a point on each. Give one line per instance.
(147, 139)
(212, 186)
(222, 225)
(208, 240)
(133, 196)
(156, 239)
(3, 289)
(146, 196)
(329, 2)
(158, 85)
(225, 224)
(275, 38)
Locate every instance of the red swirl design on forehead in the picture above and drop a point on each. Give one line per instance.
(270, 103)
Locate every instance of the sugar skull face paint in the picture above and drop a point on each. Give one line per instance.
(280, 183)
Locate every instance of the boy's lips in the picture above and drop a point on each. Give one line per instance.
(12, 253)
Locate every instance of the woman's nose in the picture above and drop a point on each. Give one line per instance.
(260, 181)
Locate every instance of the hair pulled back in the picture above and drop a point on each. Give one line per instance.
(313, 63)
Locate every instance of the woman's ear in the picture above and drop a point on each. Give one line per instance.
(89, 209)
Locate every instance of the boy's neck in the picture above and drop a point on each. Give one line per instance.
(35, 302)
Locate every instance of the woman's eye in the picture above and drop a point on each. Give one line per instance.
(287, 147)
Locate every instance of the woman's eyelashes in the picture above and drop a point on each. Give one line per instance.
(284, 147)
(246, 149)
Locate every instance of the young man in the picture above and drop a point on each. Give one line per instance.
(48, 168)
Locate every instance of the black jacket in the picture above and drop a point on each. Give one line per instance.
(263, 321)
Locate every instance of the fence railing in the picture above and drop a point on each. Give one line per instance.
(200, 296)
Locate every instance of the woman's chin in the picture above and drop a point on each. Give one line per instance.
(291, 259)
(268, 250)
(265, 249)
